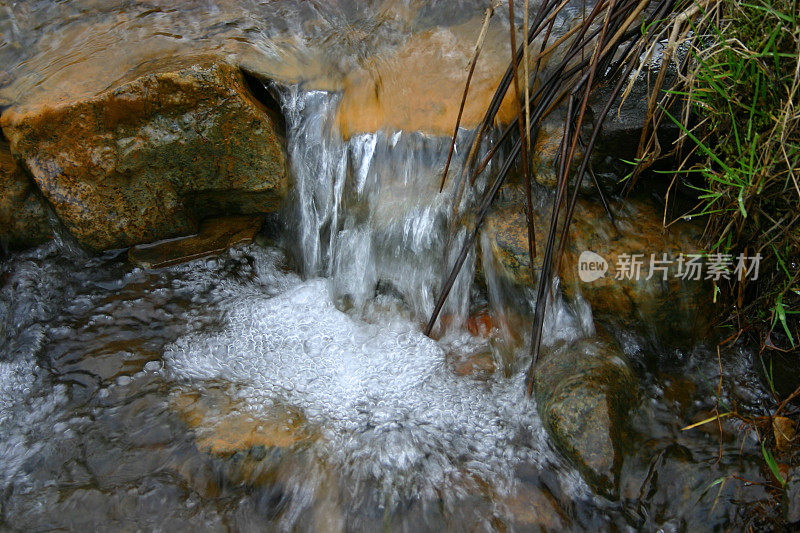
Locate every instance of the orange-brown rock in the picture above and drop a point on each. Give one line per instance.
(223, 427)
(23, 219)
(418, 87)
(674, 308)
(146, 158)
(248, 445)
(481, 324)
(216, 235)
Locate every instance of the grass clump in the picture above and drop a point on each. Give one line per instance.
(743, 94)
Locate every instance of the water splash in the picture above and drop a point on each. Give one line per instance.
(344, 344)
(392, 413)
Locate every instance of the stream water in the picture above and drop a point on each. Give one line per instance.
(128, 395)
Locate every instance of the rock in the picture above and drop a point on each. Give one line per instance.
(619, 138)
(215, 236)
(658, 478)
(584, 391)
(536, 509)
(146, 158)
(626, 117)
(793, 497)
(546, 150)
(418, 86)
(672, 310)
(479, 364)
(482, 324)
(23, 218)
(224, 427)
(247, 445)
(784, 432)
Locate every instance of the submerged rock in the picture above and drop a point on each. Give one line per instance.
(792, 508)
(223, 427)
(584, 391)
(674, 310)
(536, 509)
(146, 158)
(23, 219)
(249, 446)
(215, 236)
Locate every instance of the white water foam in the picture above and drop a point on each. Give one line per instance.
(26, 298)
(390, 408)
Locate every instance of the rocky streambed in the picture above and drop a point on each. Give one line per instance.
(220, 253)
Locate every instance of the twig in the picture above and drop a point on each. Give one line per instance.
(473, 62)
(524, 136)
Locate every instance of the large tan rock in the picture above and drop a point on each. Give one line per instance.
(147, 158)
(23, 219)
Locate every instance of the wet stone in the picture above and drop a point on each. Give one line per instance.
(674, 310)
(23, 218)
(584, 391)
(668, 479)
(154, 153)
(793, 497)
(222, 427)
(480, 364)
(534, 507)
(417, 86)
(215, 236)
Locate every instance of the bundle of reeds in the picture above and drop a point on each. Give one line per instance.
(609, 42)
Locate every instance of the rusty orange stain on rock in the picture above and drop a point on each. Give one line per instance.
(147, 159)
(419, 86)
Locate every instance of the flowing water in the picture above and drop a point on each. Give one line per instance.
(129, 397)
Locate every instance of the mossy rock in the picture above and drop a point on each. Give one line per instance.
(674, 311)
(149, 157)
(584, 391)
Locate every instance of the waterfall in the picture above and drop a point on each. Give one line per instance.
(367, 212)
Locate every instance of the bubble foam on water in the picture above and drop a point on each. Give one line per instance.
(390, 408)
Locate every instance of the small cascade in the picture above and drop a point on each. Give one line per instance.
(343, 342)
(280, 380)
(367, 210)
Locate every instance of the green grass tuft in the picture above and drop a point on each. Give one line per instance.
(744, 91)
